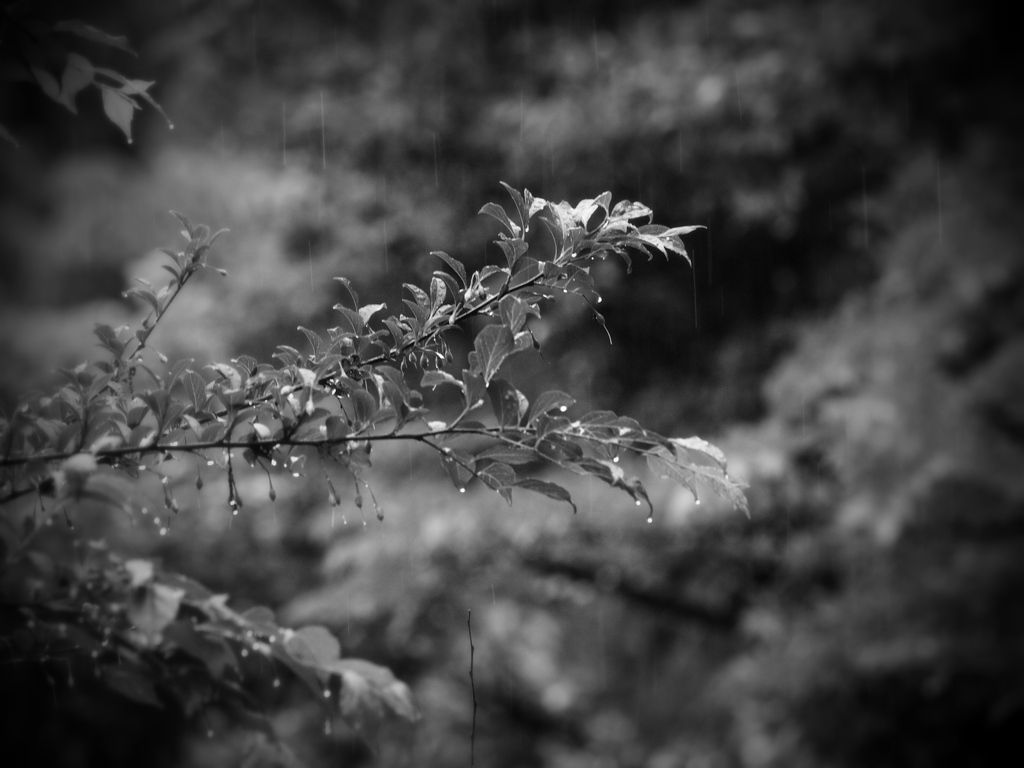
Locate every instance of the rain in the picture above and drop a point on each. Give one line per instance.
(852, 359)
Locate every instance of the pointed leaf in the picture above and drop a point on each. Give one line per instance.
(493, 344)
(93, 35)
(549, 401)
(195, 389)
(509, 403)
(119, 109)
(550, 490)
(457, 266)
(496, 211)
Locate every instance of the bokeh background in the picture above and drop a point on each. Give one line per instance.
(850, 334)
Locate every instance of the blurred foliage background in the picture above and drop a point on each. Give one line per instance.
(850, 334)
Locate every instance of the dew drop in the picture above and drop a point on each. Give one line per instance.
(563, 408)
(327, 694)
(599, 299)
(144, 510)
(277, 682)
(234, 512)
(209, 733)
(170, 126)
(209, 462)
(142, 467)
(273, 462)
(245, 652)
(129, 141)
(163, 531)
(698, 502)
(295, 474)
(650, 519)
(638, 502)
(616, 459)
(327, 728)
(462, 490)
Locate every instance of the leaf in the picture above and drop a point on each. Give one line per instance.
(47, 82)
(699, 465)
(691, 449)
(150, 609)
(228, 374)
(435, 378)
(315, 342)
(438, 293)
(521, 202)
(473, 389)
(459, 465)
(680, 231)
(78, 73)
(313, 645)
(550, 490)
(457, 266)
(184, 221)
(146, 295)
(513, 313)
(139, 571)
(108, 338)
(508, 403)
(370, 310)
(247, 363)
(500, 477)
(83, 30)
(549, 401)
(364, 408)
(119, 109)
(493, 344)
(351, 290)
(132, 683)
(508, 454)
(496, 211)
(627, 210)
(370, 695)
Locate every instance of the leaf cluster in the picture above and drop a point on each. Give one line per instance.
(358, 383)
(40, 53)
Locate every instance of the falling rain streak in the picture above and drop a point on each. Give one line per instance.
(323, 133)
(437, 178)
(864, 202)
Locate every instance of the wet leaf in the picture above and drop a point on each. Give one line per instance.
(551, 490)
(313, 645)
(493, 344)
(119, 109)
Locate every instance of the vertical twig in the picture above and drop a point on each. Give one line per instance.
(472, 685)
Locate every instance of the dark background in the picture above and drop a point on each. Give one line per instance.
(850, 334)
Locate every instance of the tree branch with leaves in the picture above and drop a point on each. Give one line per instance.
(359, 383)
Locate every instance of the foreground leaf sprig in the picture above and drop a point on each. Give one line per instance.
(358, 384)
